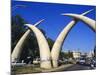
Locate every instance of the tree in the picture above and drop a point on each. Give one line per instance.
(50, 42)
(63, 55)
(95, 51)
(17, 29)
(70, 54)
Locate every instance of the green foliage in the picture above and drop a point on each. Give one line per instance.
(95, 51)
(17, 29)
(68, 54)
(50, 42)
(63, 55)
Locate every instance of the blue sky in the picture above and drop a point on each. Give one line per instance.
(80, 37)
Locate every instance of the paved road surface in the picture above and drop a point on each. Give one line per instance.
(77, 67)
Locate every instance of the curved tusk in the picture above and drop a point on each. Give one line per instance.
(18, 48)
(43, 47)
(87, 12)
(60, 39)
(90, 22)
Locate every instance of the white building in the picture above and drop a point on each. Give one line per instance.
(76, 54)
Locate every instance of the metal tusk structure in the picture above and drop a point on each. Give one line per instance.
(43, 47)
(18, 48)
(60, 39)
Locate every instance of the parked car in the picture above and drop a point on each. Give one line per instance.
(81, 61)
(88, 61)
(93, 63)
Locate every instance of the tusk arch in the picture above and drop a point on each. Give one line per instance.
(18, 48)
(60, 39)
(43, 47)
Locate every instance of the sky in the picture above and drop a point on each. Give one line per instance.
(80, 38)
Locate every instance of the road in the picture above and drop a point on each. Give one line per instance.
(77, 67)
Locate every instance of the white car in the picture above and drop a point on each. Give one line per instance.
(82, 61)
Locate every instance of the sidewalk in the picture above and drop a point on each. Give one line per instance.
(58, 68)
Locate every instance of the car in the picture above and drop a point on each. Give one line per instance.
(36, 62)
(81, 61)
(93, 63)
(88, 61)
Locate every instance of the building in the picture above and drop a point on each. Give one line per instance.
(76, 54)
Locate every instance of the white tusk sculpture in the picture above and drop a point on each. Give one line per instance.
(18, 48)
(90, 22)
(60, 39)
(43, 47)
